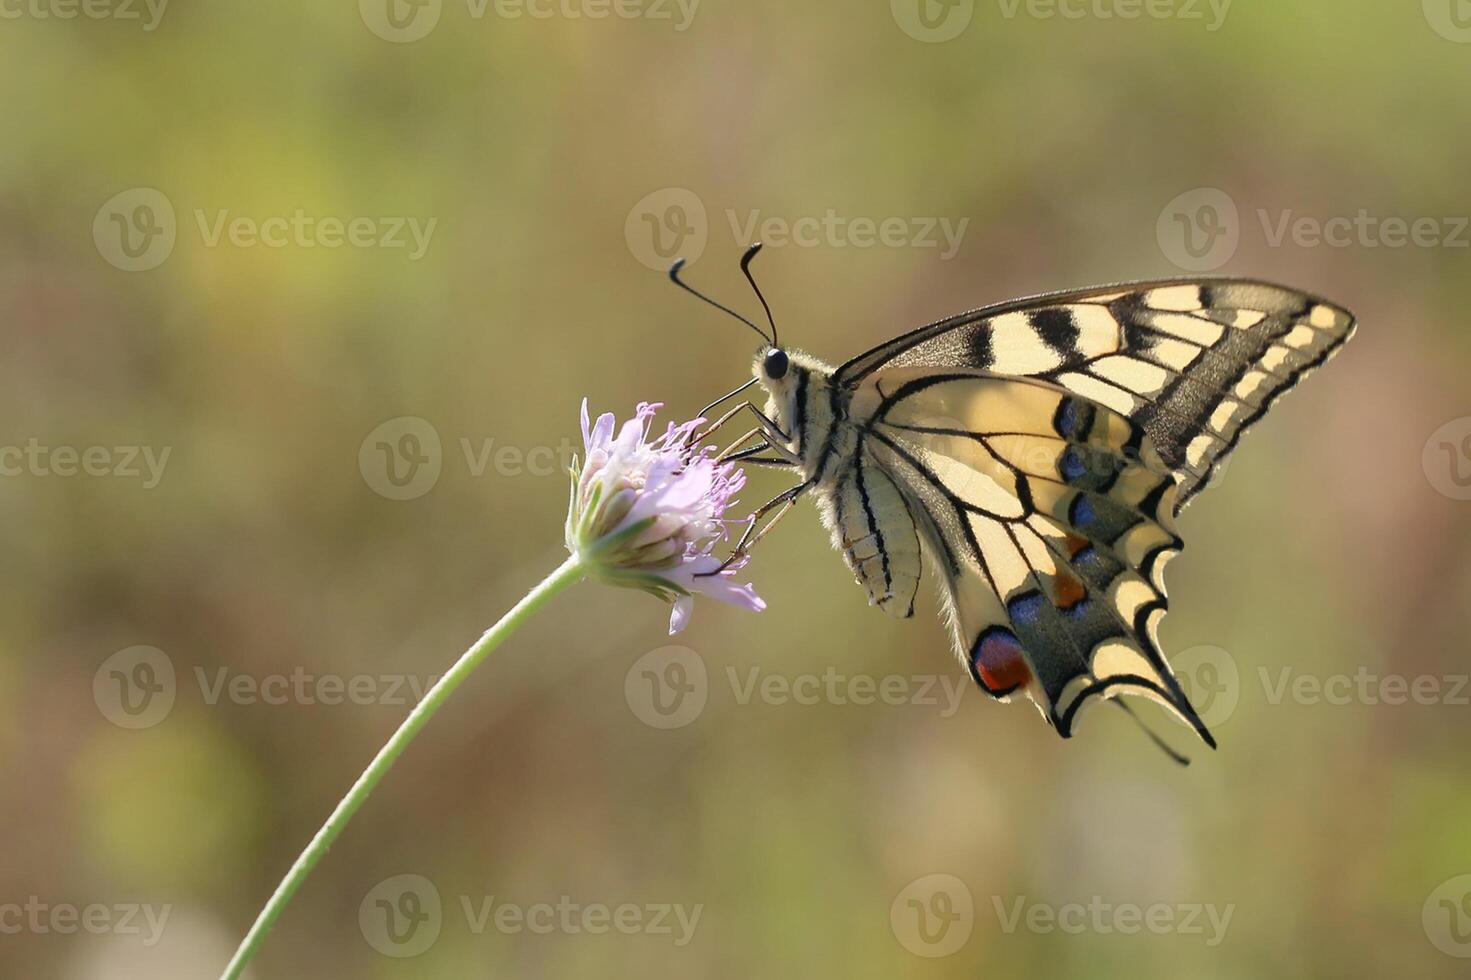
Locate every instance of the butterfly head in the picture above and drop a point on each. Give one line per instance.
(774, 364)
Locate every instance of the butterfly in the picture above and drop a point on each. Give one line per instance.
(1036, 454)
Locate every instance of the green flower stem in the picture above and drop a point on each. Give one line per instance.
(570, 571)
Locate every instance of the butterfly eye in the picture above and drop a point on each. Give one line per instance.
(775, 364)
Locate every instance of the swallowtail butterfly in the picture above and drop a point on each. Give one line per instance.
(1037, 453)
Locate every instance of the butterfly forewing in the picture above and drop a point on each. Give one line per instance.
(1194, 363)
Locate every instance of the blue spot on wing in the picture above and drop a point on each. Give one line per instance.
(1025, 610)
(1073, 417)
(1071, 465)
(1081, 511)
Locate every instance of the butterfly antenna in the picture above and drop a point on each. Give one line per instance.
(746, 268)
(674, 278)
(1153, 736)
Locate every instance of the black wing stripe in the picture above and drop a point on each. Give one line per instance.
(873, 525)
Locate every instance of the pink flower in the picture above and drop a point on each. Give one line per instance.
(648, 514)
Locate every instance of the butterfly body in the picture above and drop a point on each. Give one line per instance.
(1036, 453)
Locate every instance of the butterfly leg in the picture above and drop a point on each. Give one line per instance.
(778, 439)
(751, 456)
(734, 454)
(786, 500)
(730, 450)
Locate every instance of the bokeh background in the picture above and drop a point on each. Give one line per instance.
(197, 658)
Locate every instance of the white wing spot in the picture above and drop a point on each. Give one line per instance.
(1190, 328)
(1136, 375)
(1179, 298)
(1323, 316)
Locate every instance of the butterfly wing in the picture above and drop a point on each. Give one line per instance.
(1194, 362)
(1050, 520)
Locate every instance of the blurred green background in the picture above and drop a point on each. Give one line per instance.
(206, 251)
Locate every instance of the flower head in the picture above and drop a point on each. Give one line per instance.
(648, 513)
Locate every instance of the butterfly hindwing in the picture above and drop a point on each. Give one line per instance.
(1192, 362)
(1050, 519)
(872, 528)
